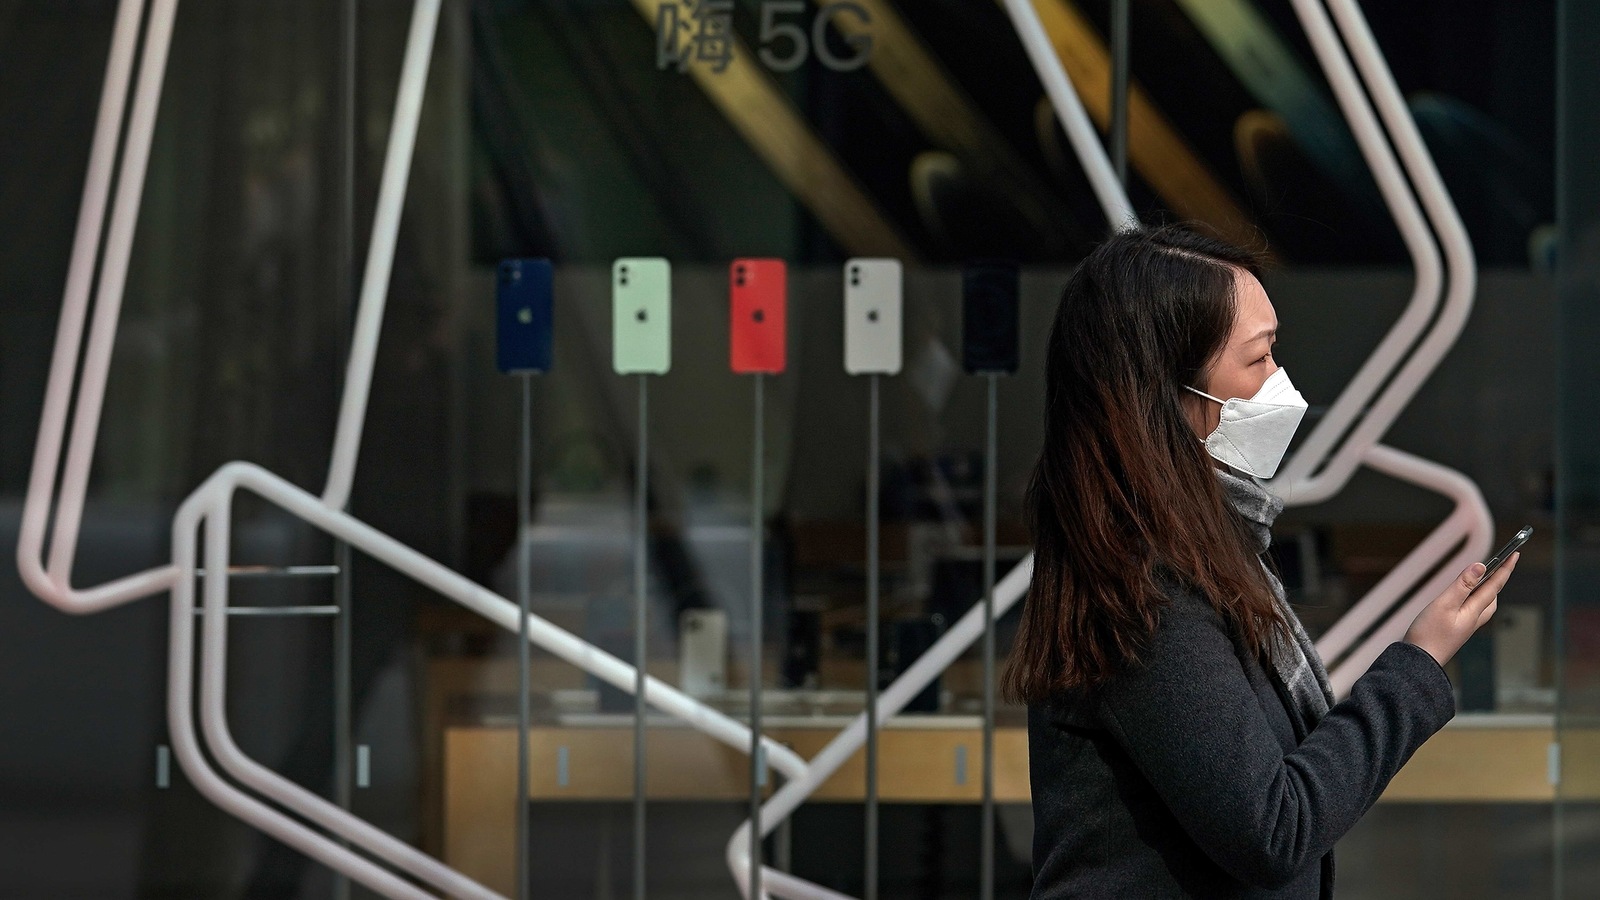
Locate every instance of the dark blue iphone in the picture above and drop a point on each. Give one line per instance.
(989, 317)
(523, 292)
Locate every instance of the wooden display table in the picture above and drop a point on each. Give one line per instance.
(923, 759)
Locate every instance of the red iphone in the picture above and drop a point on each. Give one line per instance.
(758, 292)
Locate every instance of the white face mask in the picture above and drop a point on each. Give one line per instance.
(1253, 435)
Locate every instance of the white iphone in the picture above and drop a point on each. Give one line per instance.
(872, 322)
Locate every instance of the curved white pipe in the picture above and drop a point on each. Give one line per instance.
(380, 253)
(1296, 484)
(75, 304)
(502, 612)
(1469, 519)
(1372, 606)
(1446, 225)
(1069, 110)
(894, 698)
(108, 299)
(253, 775)
(53, 583)
(1446, 222)
(54, 586)
(213, 498)
(186, 747)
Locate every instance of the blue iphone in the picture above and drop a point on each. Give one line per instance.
(523, 294)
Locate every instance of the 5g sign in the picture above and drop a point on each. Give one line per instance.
(773, 30)
(702, 30)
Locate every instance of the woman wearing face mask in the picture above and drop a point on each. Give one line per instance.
(1183, 740)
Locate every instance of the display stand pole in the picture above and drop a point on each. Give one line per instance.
(872, 645)
(524, 592)
(989, 491)
(641, 550)
(757, 763)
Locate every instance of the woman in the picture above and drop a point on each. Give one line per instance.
(1182, 737)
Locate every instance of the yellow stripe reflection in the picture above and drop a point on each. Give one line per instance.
(944, 114)
(771, 125)
(1158, 153)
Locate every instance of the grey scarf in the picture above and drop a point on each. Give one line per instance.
(1297, 663)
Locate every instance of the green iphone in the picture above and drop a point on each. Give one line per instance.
(641, 302)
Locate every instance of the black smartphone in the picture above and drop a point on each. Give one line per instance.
(1495, 561)
(989, 317)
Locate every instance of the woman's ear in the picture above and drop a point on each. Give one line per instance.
(1195, 412)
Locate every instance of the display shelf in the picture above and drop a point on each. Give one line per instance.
(1476, 758)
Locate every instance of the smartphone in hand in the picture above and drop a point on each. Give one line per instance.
(1497, 560)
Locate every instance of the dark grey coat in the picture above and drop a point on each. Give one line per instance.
(1191, 776)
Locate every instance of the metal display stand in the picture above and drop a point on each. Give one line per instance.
(343, 591)
(1119, 89)
(990, 478)
(641, 550)
(757, 595)
(524, 647)
(871, 799)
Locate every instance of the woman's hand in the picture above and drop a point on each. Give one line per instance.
(1454, 615)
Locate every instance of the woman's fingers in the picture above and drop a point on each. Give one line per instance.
(1488, 612)
(1461, 609)
(1462, 587)
(1495, 582)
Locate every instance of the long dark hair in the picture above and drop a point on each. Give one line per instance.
(1123, 486)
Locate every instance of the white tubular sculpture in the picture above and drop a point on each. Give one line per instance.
(380, 254)
(54, 585)
(1470, 523)
(1319, 469)
(211, 502)
(1470, 520)
(1446, 224)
